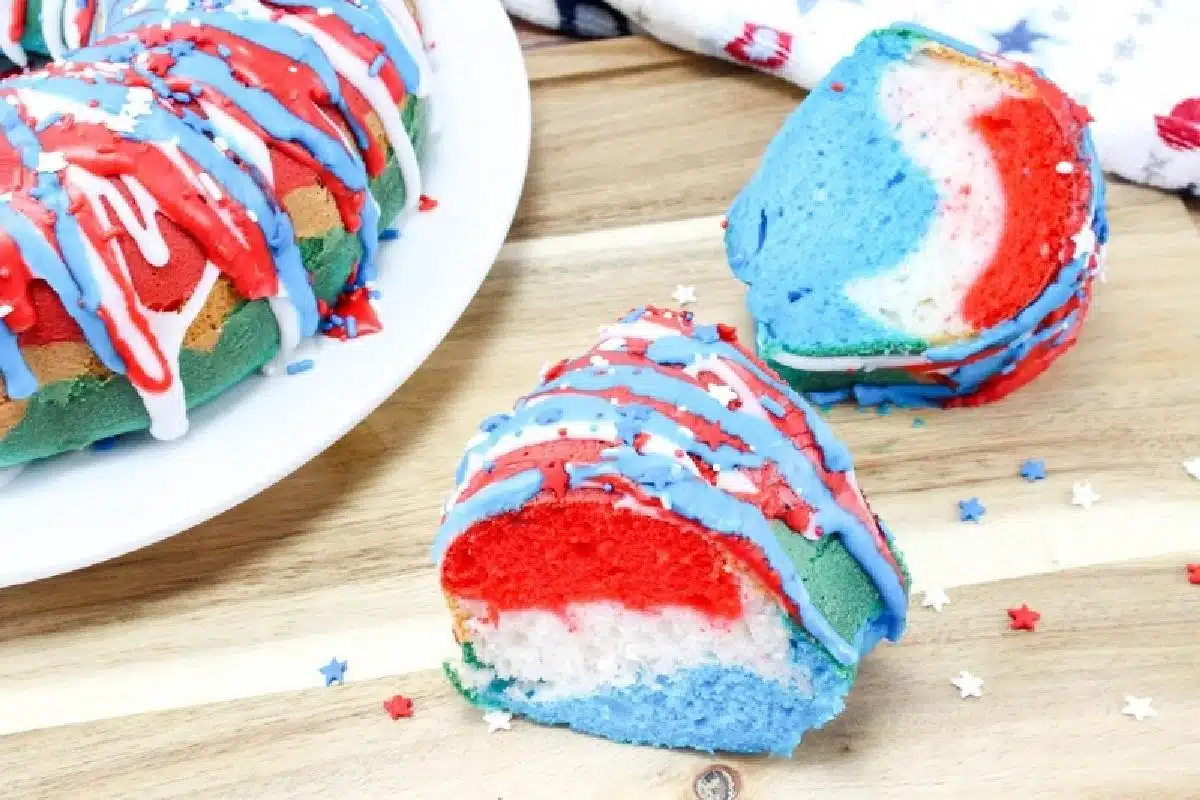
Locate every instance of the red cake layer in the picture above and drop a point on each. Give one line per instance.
(1029, 138)
(547, 555)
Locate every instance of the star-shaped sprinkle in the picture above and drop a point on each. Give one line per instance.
(1153, 168)
(498, 721)
(968, 685)
(722, 393)
(1082, 494)
(684, 295)
(1108, 77)
(1020, 38)
(334, 672)
(1061, 14)
(935, 598)
(1193, 573)
(1138, 707)
(1034, 469)
(1023, 618)
(398, 707)
(598, 361)
(970, 510)
(1125, 48)
(1192, 465)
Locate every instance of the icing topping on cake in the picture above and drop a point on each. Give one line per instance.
(161, 122)
(639, 422)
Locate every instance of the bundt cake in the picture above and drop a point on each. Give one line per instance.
(924, 229)
(185, 191)
(664, 544)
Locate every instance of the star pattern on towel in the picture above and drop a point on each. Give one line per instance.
(1125, 49)
(1153, 168)
(1138, 707)
(968, 685)
(1020, 38)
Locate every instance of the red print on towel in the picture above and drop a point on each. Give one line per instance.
(761, 46)
(1181, 129)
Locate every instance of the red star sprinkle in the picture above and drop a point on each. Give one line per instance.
(838, 86)
(1023, 618)
(1193, 571)
(398, 707)
(426, 203)
(724, 223)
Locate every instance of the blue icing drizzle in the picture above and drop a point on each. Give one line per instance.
(827, 193)
(491, 501)
(19, 380)
(771, 405)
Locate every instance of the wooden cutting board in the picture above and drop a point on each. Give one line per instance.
(190, 668)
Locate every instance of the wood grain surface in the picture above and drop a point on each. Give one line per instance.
(189, 669)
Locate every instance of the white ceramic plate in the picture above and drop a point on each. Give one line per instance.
(91, 506)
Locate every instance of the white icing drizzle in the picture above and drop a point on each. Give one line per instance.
(846, 363)
(8, 45)
(722, 370)
(406, 29)
(52, 27)
(249, 147)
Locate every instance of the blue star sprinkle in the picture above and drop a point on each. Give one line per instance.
(1020, 38)
(1033, 469)
(970, 510)
(334, 672)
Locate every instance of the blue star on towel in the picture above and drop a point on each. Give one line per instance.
(1033, 469)
(970, 510)
(1020, 38)
(334, 672)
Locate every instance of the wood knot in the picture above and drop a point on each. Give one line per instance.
(718, 782)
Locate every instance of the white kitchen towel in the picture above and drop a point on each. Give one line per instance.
(1129, 61)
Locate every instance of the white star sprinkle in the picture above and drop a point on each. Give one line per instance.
(544, 371)
(1192, 465)
(1138, 708)
(598, 361)
(1064, 168)
(1082, 494)
(968, 685)
(935, 598)
(498, 720)
(5, 311)
(722, 393)
(684, 294)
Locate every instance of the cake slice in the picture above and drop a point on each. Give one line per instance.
(924, 229)
(663, 544)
